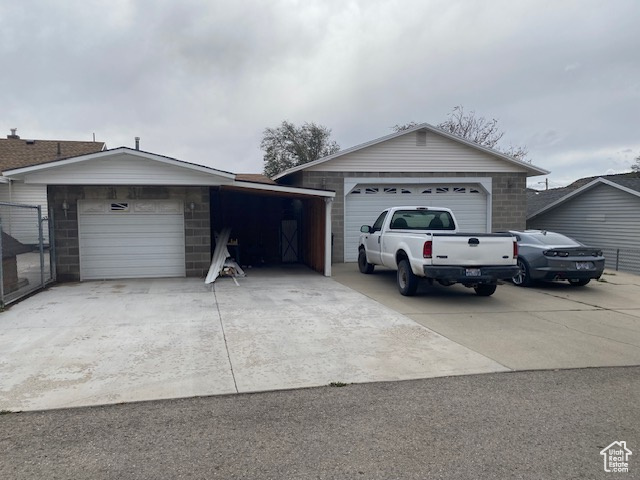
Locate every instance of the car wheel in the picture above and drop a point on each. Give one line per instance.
(363, 265)
(485, 289)
(523, 279)
(407, 281)
(579, 283)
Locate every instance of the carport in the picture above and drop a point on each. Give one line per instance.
(273, 224)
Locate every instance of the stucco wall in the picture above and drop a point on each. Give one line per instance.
(508, 197)
(196, 222)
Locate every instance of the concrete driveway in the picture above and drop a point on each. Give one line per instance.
(548, 326)
(132, 340)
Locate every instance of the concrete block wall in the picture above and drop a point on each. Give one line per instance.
(508, 208)
(67, 248)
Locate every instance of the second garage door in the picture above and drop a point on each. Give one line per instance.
(131, 239)
(365, 202)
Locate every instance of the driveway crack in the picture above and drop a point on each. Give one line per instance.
(224, 336)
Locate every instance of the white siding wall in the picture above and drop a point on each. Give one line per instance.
(402, 154)
(22, 223)
(123, 170)
(603, 217)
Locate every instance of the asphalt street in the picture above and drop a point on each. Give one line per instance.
(532, 424)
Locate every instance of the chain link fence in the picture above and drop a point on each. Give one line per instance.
(623, 259)
(26, 254)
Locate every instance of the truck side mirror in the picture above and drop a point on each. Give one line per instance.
(365, 229)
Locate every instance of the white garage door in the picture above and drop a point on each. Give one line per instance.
(365, 202)
(131, 239)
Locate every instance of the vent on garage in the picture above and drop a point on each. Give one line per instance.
(119, 207)
(421, 138)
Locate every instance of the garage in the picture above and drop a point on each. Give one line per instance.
(425, 165)
(131, 239)
(125, 213)
(365, 201)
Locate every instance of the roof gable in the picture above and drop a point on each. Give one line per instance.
(403, 139)
(120, 166)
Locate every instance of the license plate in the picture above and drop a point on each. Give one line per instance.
(584, 265)
(473, 272)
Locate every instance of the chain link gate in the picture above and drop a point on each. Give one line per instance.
(26, 251)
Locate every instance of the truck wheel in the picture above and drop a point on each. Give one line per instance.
(485, 289)
(363, 265)
(407, 281)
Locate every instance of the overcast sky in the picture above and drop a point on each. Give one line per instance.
(201, 80)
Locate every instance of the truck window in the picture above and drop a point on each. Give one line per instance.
(422, 220)
(378, 225)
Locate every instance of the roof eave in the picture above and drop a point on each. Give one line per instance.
(18, 172)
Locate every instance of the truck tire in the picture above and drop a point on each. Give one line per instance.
(363, 265)
(407, 281)
(486, 289)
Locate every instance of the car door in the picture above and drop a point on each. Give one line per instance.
(373, 239)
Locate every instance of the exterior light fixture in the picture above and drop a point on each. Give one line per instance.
(192, 206)
(65, 208)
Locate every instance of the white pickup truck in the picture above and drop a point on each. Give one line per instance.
(425, 242)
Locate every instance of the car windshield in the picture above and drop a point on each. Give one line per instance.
(552, 238)
(422, 220)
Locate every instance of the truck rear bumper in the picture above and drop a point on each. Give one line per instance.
(466, 275)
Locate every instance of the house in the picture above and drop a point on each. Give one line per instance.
(126, 213)
(597, 211)
(422, 165)
(16, 153)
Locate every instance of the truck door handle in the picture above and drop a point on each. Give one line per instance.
(378, 239)
(473, 242)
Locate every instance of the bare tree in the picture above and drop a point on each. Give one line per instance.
(636, 166)
(474, 128)
(288, 146)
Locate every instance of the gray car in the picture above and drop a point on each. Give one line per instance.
(551, 256)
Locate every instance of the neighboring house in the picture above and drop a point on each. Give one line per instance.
(423, 165)
(125, 213)
(16, 153)
(598, 211)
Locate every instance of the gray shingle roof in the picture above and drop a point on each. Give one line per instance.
(537, 200)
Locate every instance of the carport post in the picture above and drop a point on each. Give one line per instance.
(41, 243)
(327, 236)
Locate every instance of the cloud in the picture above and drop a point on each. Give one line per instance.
(202, 80)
